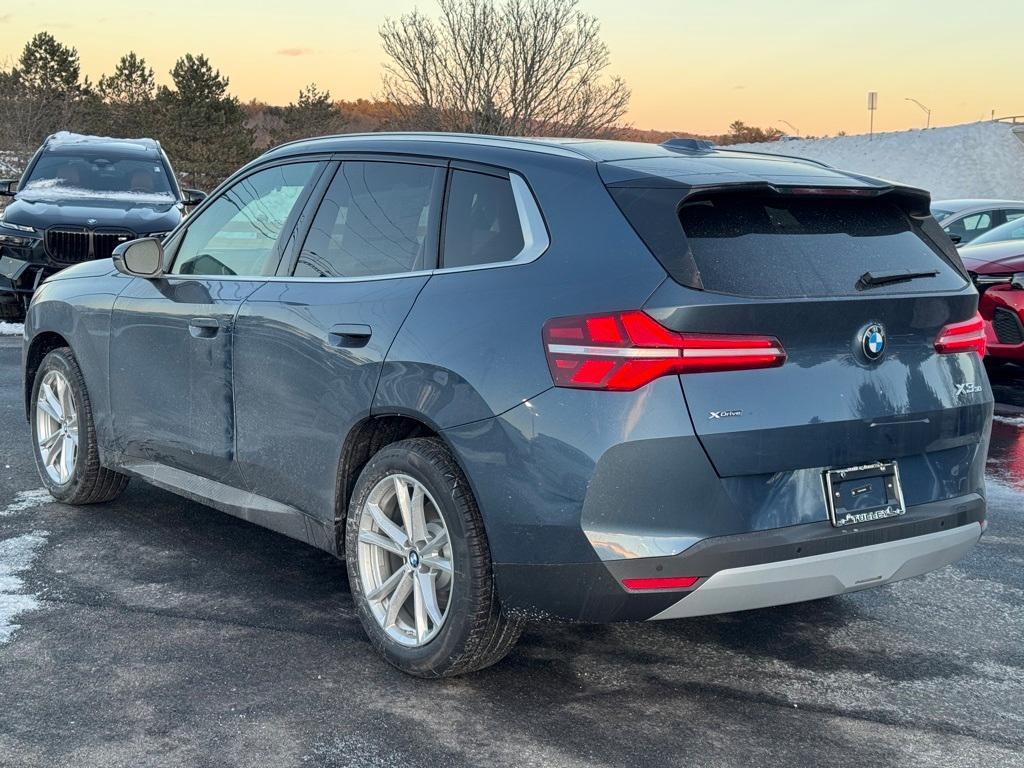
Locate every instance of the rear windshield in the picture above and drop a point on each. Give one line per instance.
(784, 246)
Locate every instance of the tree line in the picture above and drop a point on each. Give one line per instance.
(514, 67)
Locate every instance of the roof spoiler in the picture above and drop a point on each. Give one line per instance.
(688, 145)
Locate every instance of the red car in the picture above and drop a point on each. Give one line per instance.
(997, 269)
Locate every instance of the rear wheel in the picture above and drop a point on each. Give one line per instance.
(419, 565)
(64, 436)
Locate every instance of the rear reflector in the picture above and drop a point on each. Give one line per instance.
(624, 350)
(668, 582)
(968, 336)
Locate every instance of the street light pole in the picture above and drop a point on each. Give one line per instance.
(928, 112)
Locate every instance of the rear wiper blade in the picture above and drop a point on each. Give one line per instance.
(888, 277)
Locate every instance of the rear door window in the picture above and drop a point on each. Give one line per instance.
(377, 218)
(788, 246)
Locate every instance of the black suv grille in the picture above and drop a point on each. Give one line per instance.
(71, 245)
(1007, 326)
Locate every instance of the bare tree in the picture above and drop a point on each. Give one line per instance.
(524, 67)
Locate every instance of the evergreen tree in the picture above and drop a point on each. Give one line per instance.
(131, 84)
(314, 114)
(42, 93)
(202, 127)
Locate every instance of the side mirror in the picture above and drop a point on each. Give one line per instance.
(140, 258)
(955, 238)
(193, 197)
(8, 187)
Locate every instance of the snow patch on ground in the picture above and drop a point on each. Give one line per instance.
(1015, 421)
(983, 159)
(11, 329)
(16, 555)
(26, 500)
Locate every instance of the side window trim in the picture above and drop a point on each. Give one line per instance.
(536, 239)
(178, 235)
(531, 220)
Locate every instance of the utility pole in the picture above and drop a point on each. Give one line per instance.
(872, 106)
(928, 112)
(791, 126)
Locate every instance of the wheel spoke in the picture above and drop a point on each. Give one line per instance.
(418, 532)
(437, 563)
(376, 540)
(67, 458)
(435, 544)
(419, 608)
(64, 396)
(46, 443)
(387, 525)
(398, 598)
(428, 589)
(388, 587)
(53, 453)
(47, 403)
(404, 507)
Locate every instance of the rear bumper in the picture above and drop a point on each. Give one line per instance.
(752, 570)
(835, 573)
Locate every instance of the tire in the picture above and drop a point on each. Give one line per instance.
(86, 481)
(474, 633)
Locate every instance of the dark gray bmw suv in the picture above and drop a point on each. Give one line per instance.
(514, 379)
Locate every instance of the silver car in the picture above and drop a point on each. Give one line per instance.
(964, 220)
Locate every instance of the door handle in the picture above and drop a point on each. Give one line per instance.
(349, 335)
(203, 327)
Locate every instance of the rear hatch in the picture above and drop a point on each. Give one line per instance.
(823, 270)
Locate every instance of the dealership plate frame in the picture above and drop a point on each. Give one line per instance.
(895, 505)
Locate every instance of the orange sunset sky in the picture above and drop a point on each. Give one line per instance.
(693, 66)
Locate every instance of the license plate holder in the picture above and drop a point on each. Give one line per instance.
(864, 494)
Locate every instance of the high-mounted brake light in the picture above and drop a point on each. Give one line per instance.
(968, 336)
(624, 350)
(660, 582)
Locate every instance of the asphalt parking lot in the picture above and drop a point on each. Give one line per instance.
(157, 632)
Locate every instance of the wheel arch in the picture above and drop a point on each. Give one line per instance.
(363, 441)
(41, 345)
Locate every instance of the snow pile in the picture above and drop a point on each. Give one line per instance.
(974, 160)
(11, 329)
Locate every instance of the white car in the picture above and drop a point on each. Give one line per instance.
(964, 220)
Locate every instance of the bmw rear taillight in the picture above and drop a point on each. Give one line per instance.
(968, 336)
(624, 350)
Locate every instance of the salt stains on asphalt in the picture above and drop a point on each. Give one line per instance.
(26, 500)
(17, 553)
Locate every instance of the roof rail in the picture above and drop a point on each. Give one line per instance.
(688, 145)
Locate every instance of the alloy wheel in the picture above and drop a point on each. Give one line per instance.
(405, 560)
(57, 427)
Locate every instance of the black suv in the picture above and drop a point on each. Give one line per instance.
(78, 199)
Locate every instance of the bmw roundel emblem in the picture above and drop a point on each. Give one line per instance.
(873, 341)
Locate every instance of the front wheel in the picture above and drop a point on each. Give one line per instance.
(64, 436)
(419, 566)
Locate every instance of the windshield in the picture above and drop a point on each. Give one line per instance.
(1011, 230)
(95, 175)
